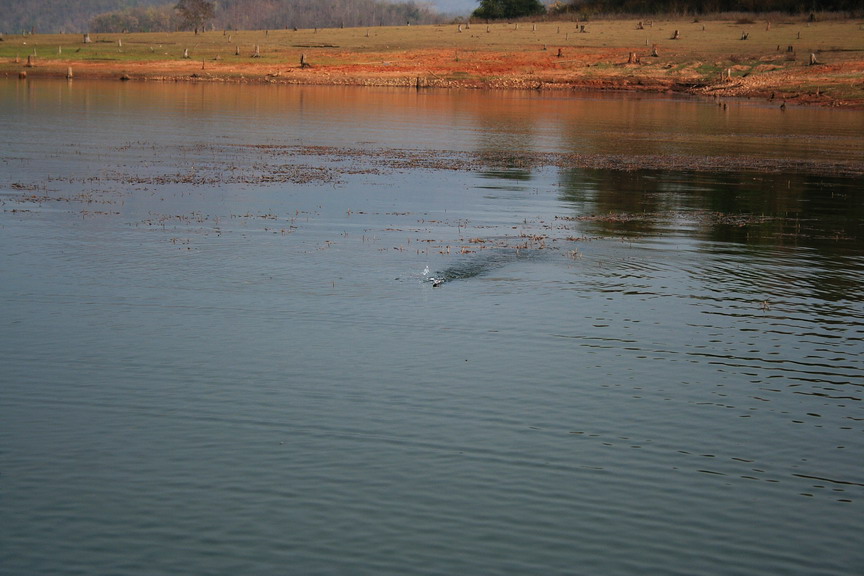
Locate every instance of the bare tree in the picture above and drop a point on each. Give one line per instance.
(195, 13)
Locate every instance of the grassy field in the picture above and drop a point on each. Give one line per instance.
(746, 57)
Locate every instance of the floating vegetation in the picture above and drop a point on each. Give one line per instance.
(404, 159)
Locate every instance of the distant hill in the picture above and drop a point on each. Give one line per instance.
(278, 14)
(77, 16)
(50, 16)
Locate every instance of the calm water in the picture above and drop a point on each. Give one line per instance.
(223, 350)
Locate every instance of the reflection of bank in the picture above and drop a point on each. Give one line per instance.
(504, 145)
(805, 211)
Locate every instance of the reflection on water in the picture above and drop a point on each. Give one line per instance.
(496, 123)
(779, 209)
(222, 351)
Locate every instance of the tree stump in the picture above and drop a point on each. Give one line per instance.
(87, 39)
(31, 62)
(69, 73)
(676, 35)
(186, 53)
(813, 61)
(237, 51)
(257, 53)
(303, 62)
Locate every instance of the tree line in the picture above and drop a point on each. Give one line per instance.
(696, 7)
(507, 9)
(24, 16)
(264, 15)
(78, 16)
(277, 14)
(50, 16)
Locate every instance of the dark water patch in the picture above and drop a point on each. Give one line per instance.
(483, 262)
(518, 167)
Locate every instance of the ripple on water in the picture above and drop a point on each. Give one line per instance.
(217, 361)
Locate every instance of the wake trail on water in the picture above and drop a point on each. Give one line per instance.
(478, 264)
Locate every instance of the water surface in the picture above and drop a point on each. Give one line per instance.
(224, 348)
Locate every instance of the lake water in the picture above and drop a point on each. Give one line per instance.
(284, 330)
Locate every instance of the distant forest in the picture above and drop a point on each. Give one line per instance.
(70, 16)
(78, 16)
(695, 7)
(50, 16)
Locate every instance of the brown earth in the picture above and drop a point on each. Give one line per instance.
(836, 79)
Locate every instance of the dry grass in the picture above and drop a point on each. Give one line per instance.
(709, 55)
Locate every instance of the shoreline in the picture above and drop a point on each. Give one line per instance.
(722, 59)
(782, 94)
